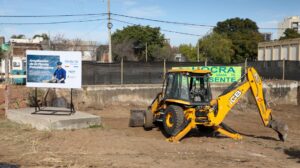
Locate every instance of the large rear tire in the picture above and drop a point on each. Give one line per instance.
(148, 120)
(173, 119)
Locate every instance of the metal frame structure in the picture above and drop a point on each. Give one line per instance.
(54, 112)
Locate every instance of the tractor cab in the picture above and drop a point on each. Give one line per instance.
(189, 87)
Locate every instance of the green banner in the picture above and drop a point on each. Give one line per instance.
(220, 74)
(5, 47)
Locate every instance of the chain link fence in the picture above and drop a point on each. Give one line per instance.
(94, 73)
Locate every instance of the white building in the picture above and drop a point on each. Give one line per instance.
(292, 22)
(18, 63)
(36, 40)
(18, 52)
(179, 57)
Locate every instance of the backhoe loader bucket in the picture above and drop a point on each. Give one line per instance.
(136, 118)
(280, 127)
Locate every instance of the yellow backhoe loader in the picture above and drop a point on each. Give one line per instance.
(186, 103)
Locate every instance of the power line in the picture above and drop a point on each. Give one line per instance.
(183, 33)
(50, 16)
(165, 30)
(163, 21)
(48, 23)
(178, 23)
(122, 15)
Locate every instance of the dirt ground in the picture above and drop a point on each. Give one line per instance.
(114, 144)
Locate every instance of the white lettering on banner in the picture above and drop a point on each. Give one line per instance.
(235, 96)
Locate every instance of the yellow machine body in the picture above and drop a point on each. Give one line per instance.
(179, 116)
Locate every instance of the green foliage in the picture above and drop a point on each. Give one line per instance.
(139, 36)
(290, 34)
(161, 53)
(96, 126)
(20, 36)
(43, 35)
(188, 51)
(244, 35)
(1, 53)
(217, 48)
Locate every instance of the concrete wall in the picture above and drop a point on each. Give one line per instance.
(96, 97)
(282, 92)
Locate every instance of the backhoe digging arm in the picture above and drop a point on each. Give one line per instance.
(227, 100)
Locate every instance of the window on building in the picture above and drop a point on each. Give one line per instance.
(295, 25)
(16, 64)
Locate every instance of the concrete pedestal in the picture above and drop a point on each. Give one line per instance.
(59, 121)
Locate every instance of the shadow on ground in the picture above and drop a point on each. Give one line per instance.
(294, 153)
(260, 137)
(8, 165)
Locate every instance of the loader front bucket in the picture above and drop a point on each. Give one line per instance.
(280, 127)
(136, 118)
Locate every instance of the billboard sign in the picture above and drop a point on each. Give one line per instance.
(220, 74)
(53, 69)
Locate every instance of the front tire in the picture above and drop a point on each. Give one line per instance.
(173, 119)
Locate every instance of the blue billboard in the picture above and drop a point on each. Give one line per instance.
(41, 67)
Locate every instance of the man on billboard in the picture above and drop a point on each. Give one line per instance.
(60, 74)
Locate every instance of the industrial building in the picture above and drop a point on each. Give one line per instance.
(279, 50)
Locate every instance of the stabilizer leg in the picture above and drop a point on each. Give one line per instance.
(181, 134)
(235, 136)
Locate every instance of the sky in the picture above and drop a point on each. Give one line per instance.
(266, 13)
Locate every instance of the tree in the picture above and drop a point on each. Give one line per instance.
(60, 43)
(140, 36)
(161, 53)
(217, 48)
(188, 51)
(244, 35)
(290, 34)
(124, 50)
(20, 36)
(43, 35)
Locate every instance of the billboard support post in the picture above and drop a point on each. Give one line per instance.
(72, 105)
(38, 108)
(36, 101)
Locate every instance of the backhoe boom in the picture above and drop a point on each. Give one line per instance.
(226, 102)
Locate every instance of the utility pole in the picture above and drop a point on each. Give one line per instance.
(7, 69)
(246, 64)
(146, 52)
(198, 54)
(109, 26)
(6, 82)
(49, 42)
(283, 69)
(122, 71)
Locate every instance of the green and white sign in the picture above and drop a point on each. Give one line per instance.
(220, 74)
